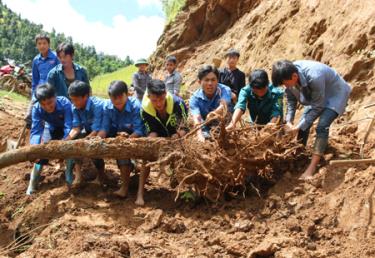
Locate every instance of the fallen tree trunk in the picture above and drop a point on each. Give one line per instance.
(213, 167)
(116, 148)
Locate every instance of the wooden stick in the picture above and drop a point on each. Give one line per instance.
(368, 130)
(347, 162)
(371, 105)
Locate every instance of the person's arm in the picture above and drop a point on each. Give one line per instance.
(197, 117)
(148, 123)
(135, 81)
(291, 107)
(177, 83)
(74, 133)
(68, 119)
(97, 122)
(277, 111)
(35, 76)
(235, 118)
(139, 127)
(37, 127)
(106, 123)
(76, 124)
(226, 101)
(317, 87)
(239, 109)
(51, 78)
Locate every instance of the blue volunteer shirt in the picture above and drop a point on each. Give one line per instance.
(41, 67)
(61, 117)
(201, 105)
(127, 120)
(89, 118)
(56, 78)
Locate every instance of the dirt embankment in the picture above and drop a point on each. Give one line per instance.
(338, 33)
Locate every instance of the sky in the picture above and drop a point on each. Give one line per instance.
(115, 27)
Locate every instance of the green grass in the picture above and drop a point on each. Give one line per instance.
(172, 8)
(13, 96)
(101, 82)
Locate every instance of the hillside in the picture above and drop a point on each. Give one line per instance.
(101, 82)
(338, 33)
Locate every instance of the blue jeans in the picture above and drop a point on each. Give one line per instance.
(322, 130)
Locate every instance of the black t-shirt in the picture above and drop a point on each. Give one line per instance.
(234, 79)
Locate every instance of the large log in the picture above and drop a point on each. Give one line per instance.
(213, 167)
(116, 148)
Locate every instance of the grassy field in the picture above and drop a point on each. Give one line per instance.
(100, 83)
(13, 96)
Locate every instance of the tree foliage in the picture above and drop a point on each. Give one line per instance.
(17, 42)
(171, 8)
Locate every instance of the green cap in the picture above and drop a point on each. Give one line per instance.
(141, 61)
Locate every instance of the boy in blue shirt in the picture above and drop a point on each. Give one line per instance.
(44, 62)
(67, 72)
(87, 122)
(264, 101)
(57, 111)
(121, 116)
(208, 100)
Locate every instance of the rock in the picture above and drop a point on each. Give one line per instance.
(243, 225)
(298, 190)
(268, 247)
(292, 252)
(174, 226)
(152, 220)
(294, 225)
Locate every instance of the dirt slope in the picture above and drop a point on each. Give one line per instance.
(338, 33)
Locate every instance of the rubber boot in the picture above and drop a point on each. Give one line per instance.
(34, 179)
(69, 171)
(320, 146)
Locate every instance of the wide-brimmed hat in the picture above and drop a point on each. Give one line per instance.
(141, 61)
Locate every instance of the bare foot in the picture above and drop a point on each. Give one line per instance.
(96, 181)
(308, 174)
(140, 201)
(77, 183)
(122, 192)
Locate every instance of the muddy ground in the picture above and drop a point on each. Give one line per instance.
(332, 216)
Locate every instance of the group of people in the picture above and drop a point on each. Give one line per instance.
(63, 107)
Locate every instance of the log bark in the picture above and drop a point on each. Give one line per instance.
(116, 148)
(349, 162)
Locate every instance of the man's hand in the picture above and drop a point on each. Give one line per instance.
(123, 134)
(200, 137)
(234, 97)
(231, 126)
(102, 134)
(289, 128)
(211, 115)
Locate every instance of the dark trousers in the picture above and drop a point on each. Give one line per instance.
(322, 131)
